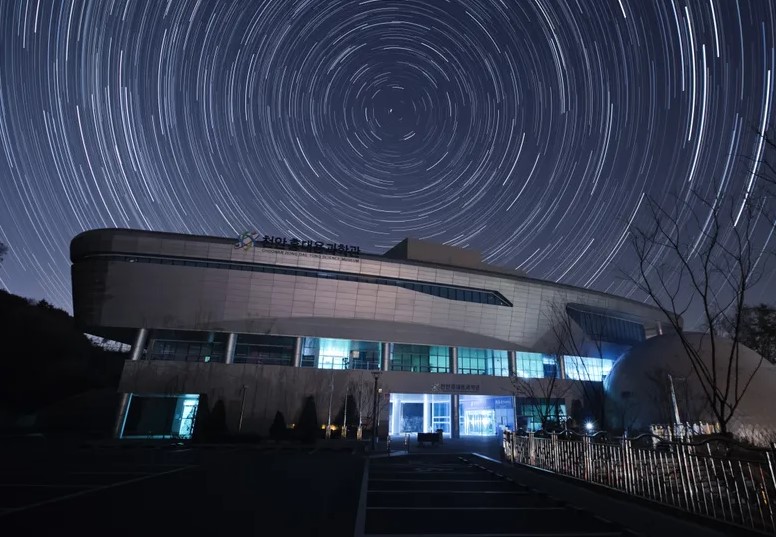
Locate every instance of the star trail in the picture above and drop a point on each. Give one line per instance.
(530, 130)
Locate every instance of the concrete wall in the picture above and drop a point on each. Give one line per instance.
(270, 388)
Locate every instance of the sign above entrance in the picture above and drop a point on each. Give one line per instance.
(456, 388)
(248, 239)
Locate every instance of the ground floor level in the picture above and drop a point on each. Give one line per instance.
(162, 399)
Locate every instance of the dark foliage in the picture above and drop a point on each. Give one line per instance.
(278, 428)
(46, 358)
(308, 427)
(210, 424)
(201, 420)
(758, 330)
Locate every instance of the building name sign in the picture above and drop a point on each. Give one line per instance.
(456, 388)
(297, 247)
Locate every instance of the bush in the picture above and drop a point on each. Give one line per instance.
(277, 431)
(210, 425)
(308, 427)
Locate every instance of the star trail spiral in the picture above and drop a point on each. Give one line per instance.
(530, 130)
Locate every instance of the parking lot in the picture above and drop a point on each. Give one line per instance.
(134, 490)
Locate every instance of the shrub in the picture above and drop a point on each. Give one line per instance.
(278, 429)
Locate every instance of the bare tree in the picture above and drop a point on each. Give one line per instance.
(362, 392)
(700, 254)
(764, 167)
(543, 394)
(582, 352)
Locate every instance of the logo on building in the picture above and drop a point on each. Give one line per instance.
(247, 239)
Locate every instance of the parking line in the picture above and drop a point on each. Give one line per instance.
(89, 491)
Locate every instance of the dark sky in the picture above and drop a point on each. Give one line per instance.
(531, 130)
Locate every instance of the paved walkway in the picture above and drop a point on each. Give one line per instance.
(490, 446)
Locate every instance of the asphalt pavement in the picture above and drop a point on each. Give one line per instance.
(220, 490)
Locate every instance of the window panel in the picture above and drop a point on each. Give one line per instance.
(451, 293)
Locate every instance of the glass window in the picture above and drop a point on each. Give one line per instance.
(483, 362)
(420, 358)
(587, 368)
(328, 353)
(260, 349)
(529, 365)
(450, 293)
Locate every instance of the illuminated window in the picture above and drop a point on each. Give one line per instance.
(587, 368)
(483, 362)
(327, 353)
(420, 358)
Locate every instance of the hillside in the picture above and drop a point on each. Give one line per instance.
(46, 363)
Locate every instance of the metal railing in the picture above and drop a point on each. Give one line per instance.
(716, 478)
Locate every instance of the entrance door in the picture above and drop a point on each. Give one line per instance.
(480, 423)
(188, 416)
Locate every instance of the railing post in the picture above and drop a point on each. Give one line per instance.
(586, 456)
(625, 458)
(531, 449)
(513, 445)
(555, 461)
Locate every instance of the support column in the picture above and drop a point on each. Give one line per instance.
(231, 345)
(561, 367)
(385, 356)
(455, 429)
(512, 357)
(454, 360)
(426, 414)
(121, 415)
(297, 352)
(139, 345)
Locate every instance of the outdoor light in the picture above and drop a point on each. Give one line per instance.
(589, 426)
(376, 375)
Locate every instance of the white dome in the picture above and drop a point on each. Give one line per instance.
(639, 389)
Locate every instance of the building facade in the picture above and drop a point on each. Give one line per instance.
(260, 323)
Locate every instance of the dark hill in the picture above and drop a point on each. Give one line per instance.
(46, 362)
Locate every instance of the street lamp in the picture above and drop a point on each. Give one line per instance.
(376, 375)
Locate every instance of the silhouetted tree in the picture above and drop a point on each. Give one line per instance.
(3, 251)
(200, 433)
(308, 427)
(757, 330)
(583, 352)
(278, 428)
(217, 422)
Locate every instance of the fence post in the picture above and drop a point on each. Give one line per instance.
(625, 460)
(587, 463)
(512, 446)
(531, 449)
(555, 457)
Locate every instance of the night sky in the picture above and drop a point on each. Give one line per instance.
(531, 130)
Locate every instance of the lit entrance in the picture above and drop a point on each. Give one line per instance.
(478, 415)
(485, 415)
(419, 413)
(479, 423)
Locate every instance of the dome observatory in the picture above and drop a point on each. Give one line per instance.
(639, 387)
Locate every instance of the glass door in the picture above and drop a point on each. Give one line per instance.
(480, 423)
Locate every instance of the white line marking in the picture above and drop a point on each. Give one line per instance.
(89, 491)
